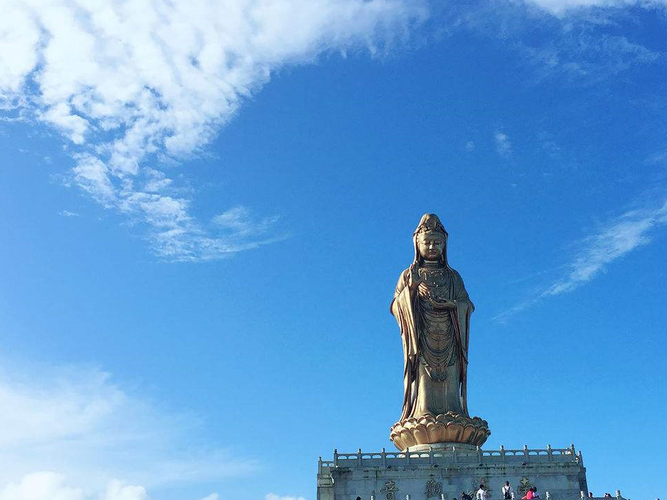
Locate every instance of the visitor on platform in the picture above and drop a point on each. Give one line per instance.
(535, 493)
(607, 495)
(590, 494)
(528, 495)
(465, 496)
(507, 491)
(481, 493)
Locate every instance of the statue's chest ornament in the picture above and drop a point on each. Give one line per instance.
(433, 277)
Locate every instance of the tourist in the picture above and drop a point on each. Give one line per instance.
(590, 494)
(607, 495)
(508, 494)
(481, 493)
(465, 496)
(528, 495)
(535, 493)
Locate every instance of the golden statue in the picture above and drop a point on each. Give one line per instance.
(433, 310)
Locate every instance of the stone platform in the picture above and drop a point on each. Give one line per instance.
(443, 471)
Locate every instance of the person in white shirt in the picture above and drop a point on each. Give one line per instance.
(481, 493)
(508, 493)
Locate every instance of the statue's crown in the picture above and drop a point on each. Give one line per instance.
(428, 223)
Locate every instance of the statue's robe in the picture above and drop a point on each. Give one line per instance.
(435, 345)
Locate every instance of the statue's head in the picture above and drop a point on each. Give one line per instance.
(430, 240)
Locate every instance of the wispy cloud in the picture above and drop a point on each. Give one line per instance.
(84, 430)
(659, 158)
(67, 213)
(239, 221)
(562, 6)
(131, 83)
(596, 252)
(615, 239)
(578, 45)
(503, 144)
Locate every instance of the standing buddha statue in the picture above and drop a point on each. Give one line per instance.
(432, 308)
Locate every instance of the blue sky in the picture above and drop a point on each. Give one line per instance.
(205, 208)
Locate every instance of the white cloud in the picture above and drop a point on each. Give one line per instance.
(273, 496)
(52, 486)
(117, 491)
(503, 144)
(470, 146)
(212, 496)
(129, 83)
(41, 486)
(84, 430)
(610, 242)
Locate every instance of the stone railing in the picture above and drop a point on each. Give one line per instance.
(451, 455)
(617, 497)
(547, 496)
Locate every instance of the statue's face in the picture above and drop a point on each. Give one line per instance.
(431, 245)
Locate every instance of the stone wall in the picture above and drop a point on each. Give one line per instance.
(444, 471)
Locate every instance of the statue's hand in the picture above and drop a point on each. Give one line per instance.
(445, 303)
(413, 277)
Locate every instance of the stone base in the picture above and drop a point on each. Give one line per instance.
(448, 470)
(448, 427)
